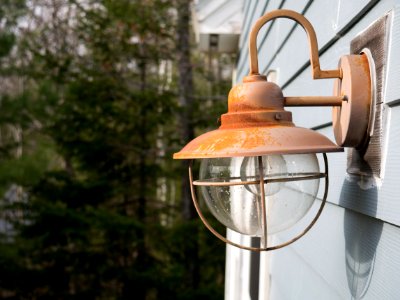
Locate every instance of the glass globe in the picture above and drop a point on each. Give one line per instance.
(238, 206)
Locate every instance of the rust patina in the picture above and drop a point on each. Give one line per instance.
(256, 124)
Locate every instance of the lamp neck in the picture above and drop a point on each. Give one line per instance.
(256, 102)
(316, 71)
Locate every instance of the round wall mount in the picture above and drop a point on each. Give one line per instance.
(351, 120)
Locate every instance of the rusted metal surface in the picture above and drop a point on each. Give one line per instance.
(255, 103)
(261, 181)
(255, 93)
(316, 71)
(350, 121)
(256, 124)
(255, 141)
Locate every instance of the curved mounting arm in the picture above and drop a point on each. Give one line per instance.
(316, 71)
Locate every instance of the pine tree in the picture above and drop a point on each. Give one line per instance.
(96, 216)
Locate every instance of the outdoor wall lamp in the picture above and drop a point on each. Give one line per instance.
(259, 173)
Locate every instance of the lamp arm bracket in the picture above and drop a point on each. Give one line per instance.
(315, 100)
(316, 71)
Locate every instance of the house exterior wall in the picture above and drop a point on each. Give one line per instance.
(353, 250)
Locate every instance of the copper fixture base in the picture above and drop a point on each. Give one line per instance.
(352, 118)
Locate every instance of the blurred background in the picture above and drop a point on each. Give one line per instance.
(95, 97)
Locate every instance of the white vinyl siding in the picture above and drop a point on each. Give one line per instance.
(353, 250)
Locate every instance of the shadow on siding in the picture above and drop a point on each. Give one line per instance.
(362, 234)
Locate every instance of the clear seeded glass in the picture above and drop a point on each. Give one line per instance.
(239, 207)
(274, 166)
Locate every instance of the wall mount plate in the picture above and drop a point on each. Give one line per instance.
(351, 120)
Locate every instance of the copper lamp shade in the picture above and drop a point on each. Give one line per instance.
(256, 124)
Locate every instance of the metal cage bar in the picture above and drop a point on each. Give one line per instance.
(262, 248)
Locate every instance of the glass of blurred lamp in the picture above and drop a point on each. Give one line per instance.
(259, 173)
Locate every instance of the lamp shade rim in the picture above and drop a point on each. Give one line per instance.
(256, 141)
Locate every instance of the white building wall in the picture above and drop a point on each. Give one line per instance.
(353, 250)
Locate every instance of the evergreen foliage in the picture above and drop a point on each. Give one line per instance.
(90, 198)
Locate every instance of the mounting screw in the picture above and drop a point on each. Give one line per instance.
(278, 116)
